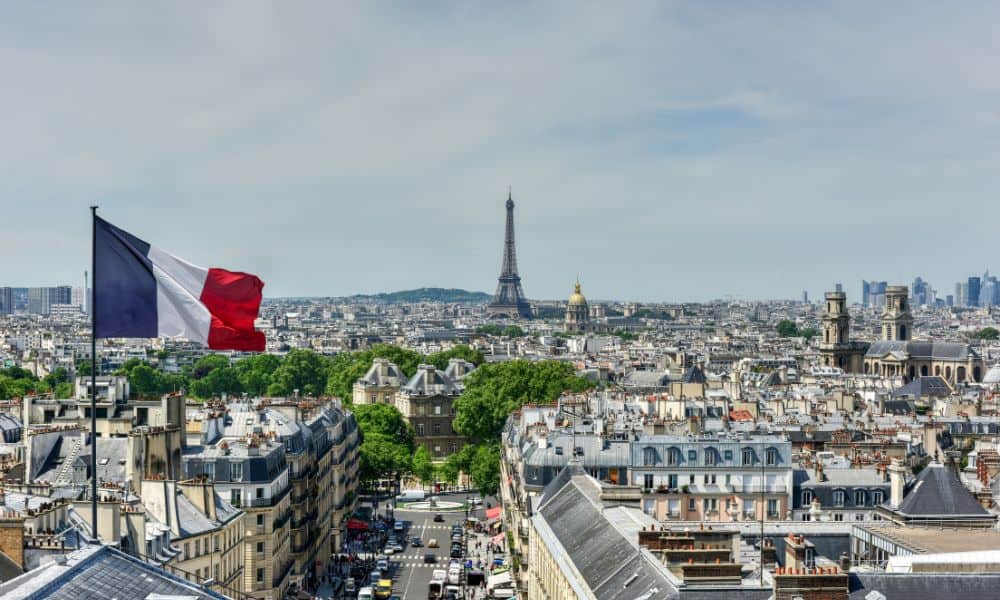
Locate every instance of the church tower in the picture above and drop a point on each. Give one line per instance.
(897, 322)
(836, 348)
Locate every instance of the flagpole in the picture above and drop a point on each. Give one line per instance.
(93, 373)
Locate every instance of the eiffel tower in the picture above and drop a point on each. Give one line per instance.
(509, 300)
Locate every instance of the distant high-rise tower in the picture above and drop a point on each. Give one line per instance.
(509, 300)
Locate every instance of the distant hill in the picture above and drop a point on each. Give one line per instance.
(447, 295)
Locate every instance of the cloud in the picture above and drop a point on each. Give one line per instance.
(344, 147)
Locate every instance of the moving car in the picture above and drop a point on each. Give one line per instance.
(366, 593)
(398, 526)
(432, 543)
(384, 588)
(430, 559)
(438, 518)
(382, 564)
(475, 501)
(416, 542)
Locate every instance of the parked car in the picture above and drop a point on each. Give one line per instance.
(350, 587)
(456, 552)
(366, 593)
(438, 518)
(384, 588)
(382, 564)
(416, 542)
(430, 558)
(398, 526)
(475, 501)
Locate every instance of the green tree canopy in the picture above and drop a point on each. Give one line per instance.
(495, 390)
(423, 466)
(383, 456)
(206, 364)
(302, 370)
(787, 328)
(808, 332)
(440, 359)
(988, 333)
(484, 468)
(384, 419)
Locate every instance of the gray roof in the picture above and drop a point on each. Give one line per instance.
(428, 381)
(923, 350)
(930, 386)
(384, 373)
(925, 586)
(100, 572)
(571, 510)
(937, 492)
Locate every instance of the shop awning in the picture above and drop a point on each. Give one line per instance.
(357, 525)
(493, 513)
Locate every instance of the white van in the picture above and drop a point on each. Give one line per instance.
(454, 576)
(366, 593)
(411, 496)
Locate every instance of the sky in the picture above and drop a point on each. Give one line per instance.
(661, 151)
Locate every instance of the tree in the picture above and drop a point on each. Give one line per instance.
(787, 328)
(440, 359)
(144, 380)
(808, 333)
(495, 390)
(218, 382)
(208, 363)
(257, 373)
(383, 457)
(423, 467)
(384, 419)
(302, 370)
(484, 468)
(988, 333)
(513, 331)
(64, 390)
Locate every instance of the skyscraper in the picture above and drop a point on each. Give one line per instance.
(41, 299)
(972, 293)
(6, 301)
(865, 290)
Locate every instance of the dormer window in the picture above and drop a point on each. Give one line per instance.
(859, 497)
(650, 456)
(748, 456)
(772, 457)
(674, 456)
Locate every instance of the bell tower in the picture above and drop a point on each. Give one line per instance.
(836, 348)
(897, 322)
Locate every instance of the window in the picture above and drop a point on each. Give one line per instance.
(197, 547)
(260, 520)
(210, 470)
(453, 448)
(235, 497)
(260, 548)
(672, 481)
(747, 456)
(674, 508)
(647, 481)
(436, 428)
(877, 497)
(420, 429)
(236, 471)
(692, 455)
(216, 572)
(859, 497)
(710, 479)
(838, 517)
(437, 409)
(711, 456)
(839, 497)
(260, 493)
(692, 506)
(771, 456)
(374, 398)
(673, 456)
(748, 507)
(729, 455)
(710, 504)
(691, 479)
(859, 517)
(649, 456)
(187, 550)
(807, 497)
(772, 507)
(217, 543)
(260, 575)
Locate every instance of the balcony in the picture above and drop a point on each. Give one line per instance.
(280, 577)
(280, 521)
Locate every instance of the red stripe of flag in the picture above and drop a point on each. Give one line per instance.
(233, 299)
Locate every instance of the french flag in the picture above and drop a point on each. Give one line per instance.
(141, 291)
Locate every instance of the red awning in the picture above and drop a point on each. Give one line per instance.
(357, 525)
(493, 513)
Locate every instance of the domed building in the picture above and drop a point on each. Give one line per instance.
(577, 312)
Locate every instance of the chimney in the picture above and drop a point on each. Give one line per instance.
(897, 480)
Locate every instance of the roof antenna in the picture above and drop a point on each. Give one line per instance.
(508, 192)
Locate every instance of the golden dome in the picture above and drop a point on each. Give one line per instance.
(577, 299)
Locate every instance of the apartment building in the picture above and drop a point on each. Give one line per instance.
(427, 402)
